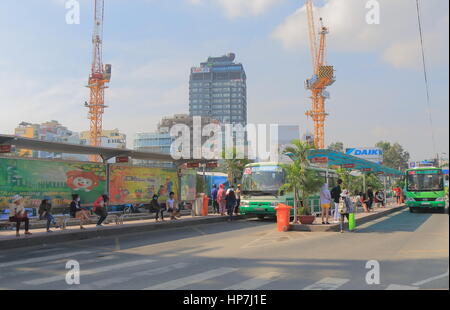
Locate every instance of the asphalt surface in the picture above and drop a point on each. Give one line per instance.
(411, 250)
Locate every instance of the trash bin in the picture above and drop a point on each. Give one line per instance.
(283, 217)
(205, 206)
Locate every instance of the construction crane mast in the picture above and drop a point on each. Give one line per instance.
(323, 76)
(98, 79)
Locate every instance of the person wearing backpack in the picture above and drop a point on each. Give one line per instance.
(77, 212)
(230, 202)
(336, 196)
(345, 208)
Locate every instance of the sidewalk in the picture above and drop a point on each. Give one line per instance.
(361, 218)
(8, 239)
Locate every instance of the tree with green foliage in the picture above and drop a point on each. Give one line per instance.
(338, 147)
(298, 177)
(233, 166)
(394, 156)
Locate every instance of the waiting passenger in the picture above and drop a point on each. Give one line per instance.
(77, 212)
(45, 212)
(18, 214)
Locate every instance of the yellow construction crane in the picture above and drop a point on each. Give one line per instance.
(98, 79)
(323, 76)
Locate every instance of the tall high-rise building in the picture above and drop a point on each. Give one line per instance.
(218, 89)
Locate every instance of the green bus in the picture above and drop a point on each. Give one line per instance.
(425, 189)
(260, 189)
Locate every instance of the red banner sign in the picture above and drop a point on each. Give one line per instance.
(319, 160)
(193, 165)
(348, 166)
(5, 148)
(367, 169)
(212, 165)
(122, 159)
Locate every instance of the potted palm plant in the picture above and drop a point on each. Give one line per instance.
(301, 179)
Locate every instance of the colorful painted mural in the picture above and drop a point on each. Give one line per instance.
(188, 185)
(34, 179)
(139, 184)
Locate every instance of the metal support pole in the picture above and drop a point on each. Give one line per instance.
(364, 183)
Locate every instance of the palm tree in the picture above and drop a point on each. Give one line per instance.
(234, 167)
(299, 178)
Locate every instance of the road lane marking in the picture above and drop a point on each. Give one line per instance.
(327, 284)
(47, 250)
(90, 272)
(176, 284)
(397, 287)
(255, 283)
(119, 280)
(432, 279)
(43, 259)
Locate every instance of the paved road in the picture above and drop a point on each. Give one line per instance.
(411, 249)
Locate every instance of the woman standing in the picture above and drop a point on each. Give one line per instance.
(325, 202)
(221, 196)
(348, 207)
(100, 206)
(17, 214)
(45, 212)
(77, 212)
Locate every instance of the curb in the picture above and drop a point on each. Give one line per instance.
(66, 236)
(336, 227)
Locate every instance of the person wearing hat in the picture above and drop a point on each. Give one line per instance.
(45, 212)
(17, 214)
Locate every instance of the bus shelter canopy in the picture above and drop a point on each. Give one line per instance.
(334, 158)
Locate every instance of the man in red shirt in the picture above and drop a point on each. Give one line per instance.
(100, 206)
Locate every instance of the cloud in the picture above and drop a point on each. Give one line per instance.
(239, 8)
(395, 38)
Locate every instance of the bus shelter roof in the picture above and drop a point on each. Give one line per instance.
(334, 158)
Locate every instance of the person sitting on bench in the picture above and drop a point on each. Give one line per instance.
(18, 215)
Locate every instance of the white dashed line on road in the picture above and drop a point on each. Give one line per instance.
(327, 284)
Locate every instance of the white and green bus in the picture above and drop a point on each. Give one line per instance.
(260, 187)
(425, 189)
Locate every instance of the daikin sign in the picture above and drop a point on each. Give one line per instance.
(370, 154)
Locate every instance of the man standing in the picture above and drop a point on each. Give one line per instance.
(336, 196)
(214, 199)
(370, 198)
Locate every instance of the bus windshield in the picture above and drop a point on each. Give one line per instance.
(422, 181)
(262, 180)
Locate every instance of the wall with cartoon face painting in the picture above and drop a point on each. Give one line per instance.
(34, 179)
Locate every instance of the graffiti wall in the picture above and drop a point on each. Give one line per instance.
(139, 184)
(34, 179)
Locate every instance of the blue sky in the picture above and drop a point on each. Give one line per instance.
(379, 93)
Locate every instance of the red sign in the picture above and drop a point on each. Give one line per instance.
(193, 165)
(380, 172)
(320, 160)
(367, 169)
(348, 166)
(212, 165)
(5, 148)
(122, 159)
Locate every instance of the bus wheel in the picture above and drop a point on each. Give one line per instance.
(261, 217)
(412, 210)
